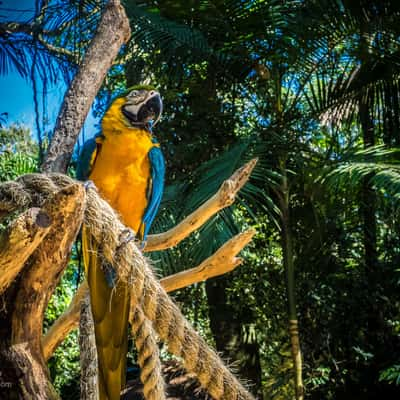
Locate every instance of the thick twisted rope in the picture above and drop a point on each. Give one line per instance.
(148, 356)
(147, 294)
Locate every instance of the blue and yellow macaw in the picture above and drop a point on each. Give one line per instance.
(127, 167)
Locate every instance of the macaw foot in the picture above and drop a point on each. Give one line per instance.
(89, 185)
(126, 236)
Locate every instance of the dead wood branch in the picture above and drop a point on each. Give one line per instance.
(223, 198)
(19, 241)
(113, 31)
(222, 261)
(87, 347)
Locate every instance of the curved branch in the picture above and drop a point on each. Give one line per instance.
(65, 323)
(222, 261)
(222, 199)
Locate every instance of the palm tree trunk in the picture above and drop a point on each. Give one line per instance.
(368, 197)
(287, 252)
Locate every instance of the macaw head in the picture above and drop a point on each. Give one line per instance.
(142, 106)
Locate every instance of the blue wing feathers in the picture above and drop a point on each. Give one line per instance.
(157, 167)
(85, 156)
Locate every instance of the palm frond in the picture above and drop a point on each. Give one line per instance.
(378, 165)
(358, 45)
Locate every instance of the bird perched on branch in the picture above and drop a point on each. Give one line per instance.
(127, 167)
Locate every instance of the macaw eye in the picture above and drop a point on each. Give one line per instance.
(134, 93)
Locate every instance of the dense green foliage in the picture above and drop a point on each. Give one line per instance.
(311, 88)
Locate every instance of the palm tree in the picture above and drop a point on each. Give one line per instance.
(359, 42)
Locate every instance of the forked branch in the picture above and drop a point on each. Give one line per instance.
(222, 261)
(223, 198)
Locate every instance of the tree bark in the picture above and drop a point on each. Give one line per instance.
(112, 33)
(87, 347)
(41, 277)
(22, 375)
(19, 241)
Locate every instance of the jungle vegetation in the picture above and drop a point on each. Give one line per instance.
(311, 88)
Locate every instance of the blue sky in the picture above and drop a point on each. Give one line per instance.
(16, 93)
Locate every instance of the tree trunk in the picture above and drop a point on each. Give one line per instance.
(368, 196)
(287, 251)
(230, 334)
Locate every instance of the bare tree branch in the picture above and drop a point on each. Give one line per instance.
(19, 241)
(223, 198)
(64, 324)
(222, 261)
(87, 347)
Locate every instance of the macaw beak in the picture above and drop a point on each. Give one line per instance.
(149, 110)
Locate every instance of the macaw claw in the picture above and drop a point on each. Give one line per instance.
(89, 185)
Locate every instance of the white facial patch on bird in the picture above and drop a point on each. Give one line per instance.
(137, 96)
